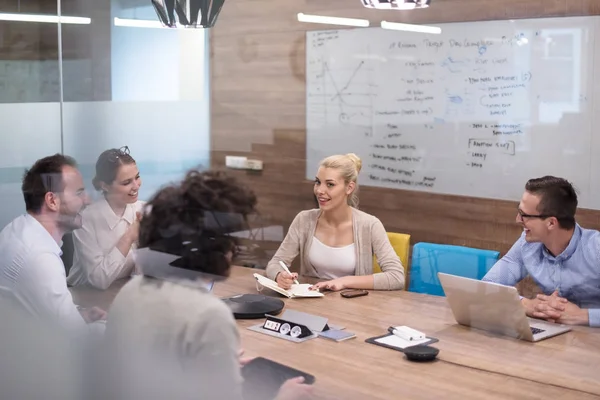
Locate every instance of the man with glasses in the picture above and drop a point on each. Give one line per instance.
(31, 270)
(561, 257)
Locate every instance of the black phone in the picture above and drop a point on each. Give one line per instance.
(353, 293)
(264, 377)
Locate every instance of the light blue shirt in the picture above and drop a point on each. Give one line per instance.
(575, 272)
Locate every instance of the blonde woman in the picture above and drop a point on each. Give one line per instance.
(336, 242)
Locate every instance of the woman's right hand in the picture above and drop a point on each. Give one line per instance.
(295, 389)
(134, 229)
(285, 280)
(130, 237)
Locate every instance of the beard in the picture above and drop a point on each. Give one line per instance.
(68, 220)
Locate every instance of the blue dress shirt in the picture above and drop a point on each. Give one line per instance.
(575, 272)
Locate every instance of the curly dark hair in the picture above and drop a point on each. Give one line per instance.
(193, 220)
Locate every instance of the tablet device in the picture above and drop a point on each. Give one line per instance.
(337, 335)
(263, 378)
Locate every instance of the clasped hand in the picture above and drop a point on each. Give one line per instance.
(93, 314)
(557, 309)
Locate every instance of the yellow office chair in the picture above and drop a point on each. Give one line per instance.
(401, 244)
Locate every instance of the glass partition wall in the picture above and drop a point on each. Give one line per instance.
(103, 75)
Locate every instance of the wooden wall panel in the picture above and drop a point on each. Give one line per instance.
(258, 110)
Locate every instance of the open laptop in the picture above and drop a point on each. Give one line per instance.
(495, 308)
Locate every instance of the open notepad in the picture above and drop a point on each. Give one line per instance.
(299, 290)
(397, 343)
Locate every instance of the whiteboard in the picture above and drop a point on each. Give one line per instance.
(476, 110)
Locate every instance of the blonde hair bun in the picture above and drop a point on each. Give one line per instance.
(356, 160)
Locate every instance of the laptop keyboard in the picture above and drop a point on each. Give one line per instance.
(535, 331)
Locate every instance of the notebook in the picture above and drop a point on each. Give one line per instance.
(297, 290)
(396, 343)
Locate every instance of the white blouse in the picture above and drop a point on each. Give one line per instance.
(96, 259)
(332, 262)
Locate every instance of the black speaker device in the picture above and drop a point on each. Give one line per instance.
(421, 353)
(253, 306)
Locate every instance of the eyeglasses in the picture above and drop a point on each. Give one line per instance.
(116, 154)
(523, 215)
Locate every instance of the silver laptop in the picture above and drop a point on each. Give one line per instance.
(495, 308)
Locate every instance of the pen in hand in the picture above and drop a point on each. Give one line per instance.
(286, 269)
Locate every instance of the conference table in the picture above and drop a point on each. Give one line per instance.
(471, 363)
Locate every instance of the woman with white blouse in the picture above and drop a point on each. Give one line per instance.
(103, 246)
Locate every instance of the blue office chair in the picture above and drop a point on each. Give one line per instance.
(428, 259)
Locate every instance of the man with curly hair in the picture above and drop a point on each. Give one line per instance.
(172, 336)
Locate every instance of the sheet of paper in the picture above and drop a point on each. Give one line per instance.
(302, 289)
(400, 343)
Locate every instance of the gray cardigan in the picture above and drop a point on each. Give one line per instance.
(370, 238)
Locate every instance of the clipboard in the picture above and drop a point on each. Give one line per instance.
(399, 344)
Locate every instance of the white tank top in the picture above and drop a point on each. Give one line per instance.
(332, 262)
